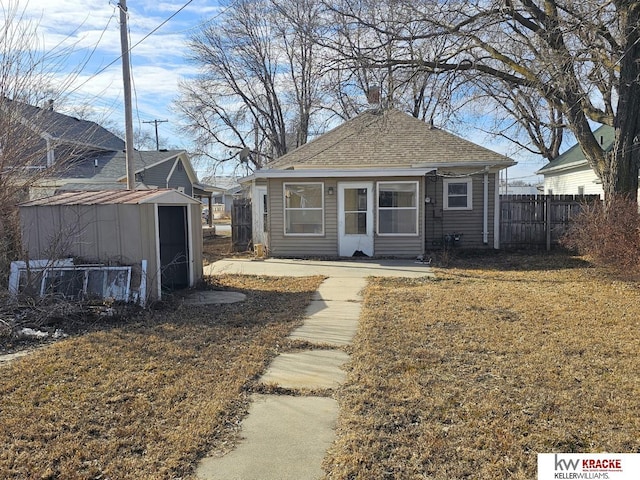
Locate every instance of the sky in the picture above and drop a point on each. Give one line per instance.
(158, 62)
(159, 32)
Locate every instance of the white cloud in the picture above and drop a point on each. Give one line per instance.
(91, 29)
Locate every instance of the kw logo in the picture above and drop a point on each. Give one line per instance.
(562, 464)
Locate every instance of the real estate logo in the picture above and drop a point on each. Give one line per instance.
(588, 466)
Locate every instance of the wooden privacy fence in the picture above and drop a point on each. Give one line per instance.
(537, 221)
(241, 224)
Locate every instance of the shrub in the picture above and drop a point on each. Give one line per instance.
(609, 234)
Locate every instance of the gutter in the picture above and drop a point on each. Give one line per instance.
(333, 173)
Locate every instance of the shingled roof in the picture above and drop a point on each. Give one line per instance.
(605, 135)
(386, 138)
(64, 128)
(111, 166)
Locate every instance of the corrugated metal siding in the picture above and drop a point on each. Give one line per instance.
(196, 240)
(118, 233)
(469, 223)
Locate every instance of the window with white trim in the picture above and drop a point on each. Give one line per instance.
(303, 208)
(397, 208)
(457, 194)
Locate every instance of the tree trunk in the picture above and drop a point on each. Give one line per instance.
(625, 155)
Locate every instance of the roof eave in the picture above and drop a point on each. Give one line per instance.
(559, 168)
(341, 173)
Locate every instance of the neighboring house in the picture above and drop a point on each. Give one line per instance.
(227, 188)
(381, 184)
(82, 155)
(570, 173)
(509, 189)
(107, 171)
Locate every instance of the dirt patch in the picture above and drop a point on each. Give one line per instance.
(499, 358)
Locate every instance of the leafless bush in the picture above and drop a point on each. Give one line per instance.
(609, 234)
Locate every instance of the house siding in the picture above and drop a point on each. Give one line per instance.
(400, 245)
(327, 244)
(305, 246)
(158, 176)
(469, 223)
(567, 182)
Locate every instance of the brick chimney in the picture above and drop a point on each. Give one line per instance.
(373, 96)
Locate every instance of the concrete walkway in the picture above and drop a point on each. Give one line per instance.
(286, 437)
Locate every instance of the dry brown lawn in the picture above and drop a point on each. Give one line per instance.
(470, 375)
(147, 399)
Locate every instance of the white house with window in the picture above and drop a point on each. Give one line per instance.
(570, 173)
(381, 184)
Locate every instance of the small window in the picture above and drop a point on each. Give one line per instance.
(457, 194)
(397, 208)
(304, 209)
(581, 190)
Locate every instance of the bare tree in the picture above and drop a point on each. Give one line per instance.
(367, 38)
(29, 75)
(580, 60)
(258, 85)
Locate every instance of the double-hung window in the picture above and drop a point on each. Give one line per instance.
(397, 208)
(303, 209)
(457, 194)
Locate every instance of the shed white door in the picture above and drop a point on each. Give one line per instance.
(260, 223)
(355, 218)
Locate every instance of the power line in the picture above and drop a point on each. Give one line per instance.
(132, 47)
(156, 122)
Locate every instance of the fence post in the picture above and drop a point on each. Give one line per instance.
(547, 221)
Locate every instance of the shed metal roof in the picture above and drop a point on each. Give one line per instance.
(113, 197)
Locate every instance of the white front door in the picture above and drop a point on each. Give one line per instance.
(355, 219)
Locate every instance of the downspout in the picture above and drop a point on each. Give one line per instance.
(485, 207)
(496, 217)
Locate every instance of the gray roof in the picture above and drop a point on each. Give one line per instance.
(605, 135)
(383, 139)
(112, 165)
(224, 183)
(65, 128)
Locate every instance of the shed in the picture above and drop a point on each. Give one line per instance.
(120, 227)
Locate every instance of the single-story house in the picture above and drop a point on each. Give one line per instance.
(381, 184)
(76, 154)
(571, 174)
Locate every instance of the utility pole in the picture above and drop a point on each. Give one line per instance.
(156, 122)
(128, 112)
